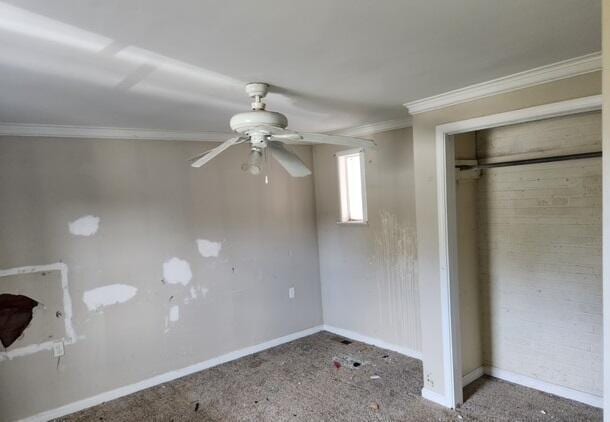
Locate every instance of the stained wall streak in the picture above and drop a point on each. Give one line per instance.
(395, 251)
(371, 267)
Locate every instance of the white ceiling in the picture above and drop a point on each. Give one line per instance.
(181, 65)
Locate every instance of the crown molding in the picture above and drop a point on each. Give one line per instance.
(95, 132)
(539, 75)
(92, 132)
(369, 129)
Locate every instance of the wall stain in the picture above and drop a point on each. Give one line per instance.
(397, 284)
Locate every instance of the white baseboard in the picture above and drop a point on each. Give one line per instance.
(558, 390)
(352, 335)
(168, 376)
(435, 397)
(473, 376)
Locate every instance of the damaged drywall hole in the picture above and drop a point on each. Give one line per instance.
(346, 342)
(84, 226)
(111, 294)
(69, 335)
(208, 248)
(15, 316)
(177, 271)
(59, 314)
(356, 364)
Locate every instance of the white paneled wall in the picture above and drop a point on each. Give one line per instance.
(540, 263)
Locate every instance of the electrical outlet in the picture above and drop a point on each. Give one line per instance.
(58, 349)
(291, 293)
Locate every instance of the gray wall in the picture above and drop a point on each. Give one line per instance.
(369, 272)
(152, 207)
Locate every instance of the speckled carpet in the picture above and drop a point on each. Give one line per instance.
(326, 378)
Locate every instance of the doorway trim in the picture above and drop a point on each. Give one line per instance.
(448, 265)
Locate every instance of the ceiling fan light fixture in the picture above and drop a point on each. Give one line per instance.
(254, 165)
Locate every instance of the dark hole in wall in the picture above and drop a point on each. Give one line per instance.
(15, 316)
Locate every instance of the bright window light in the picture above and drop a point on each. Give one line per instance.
(352, 186)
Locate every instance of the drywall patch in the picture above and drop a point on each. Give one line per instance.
(177, 271)
(174, 313)
(84, 226)
(70, 334)
(15, 316)
(108, 295)
(208, 249)
(195, 293)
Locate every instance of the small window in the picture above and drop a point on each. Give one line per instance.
(352, 186)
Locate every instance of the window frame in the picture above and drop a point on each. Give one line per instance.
(343, 212)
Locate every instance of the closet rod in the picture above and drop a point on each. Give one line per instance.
(535, 160)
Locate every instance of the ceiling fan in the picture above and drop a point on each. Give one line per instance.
(267, 129)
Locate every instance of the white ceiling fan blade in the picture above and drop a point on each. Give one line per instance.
(289, 160)
(207, 156)
(349, 141)
(289, 139)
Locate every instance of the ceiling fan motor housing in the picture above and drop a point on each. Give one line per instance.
(264, 120)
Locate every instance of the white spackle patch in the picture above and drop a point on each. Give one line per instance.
(174, 313)
(108, 295)
(194, 293)
(177, 271)
(208, 249)
(84, 226)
